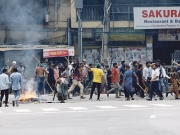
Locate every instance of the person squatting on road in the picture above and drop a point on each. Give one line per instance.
(62, 89)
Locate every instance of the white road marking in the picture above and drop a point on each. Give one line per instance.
(50, 109)
(1, 112)
(22, 110)
(89, 111)
(107, 107)
(162, 105)
(135, 106)
(77, 108)
(153, 116)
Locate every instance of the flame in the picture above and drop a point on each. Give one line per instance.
(26, 95)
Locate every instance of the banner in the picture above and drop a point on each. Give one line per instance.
(156, 17)
(55, 53)
(92, 56)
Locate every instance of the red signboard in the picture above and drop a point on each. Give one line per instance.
(55, 53)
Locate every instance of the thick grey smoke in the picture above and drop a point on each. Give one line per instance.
(21, 11)
(23, 18)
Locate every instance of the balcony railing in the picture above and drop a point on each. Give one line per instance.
(118, 12)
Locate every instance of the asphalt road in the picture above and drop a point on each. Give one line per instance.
(107, 117)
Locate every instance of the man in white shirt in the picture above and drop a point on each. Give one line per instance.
(4, 86)
(165, 77)
(16, 80)
(155, 83)
(147, 71)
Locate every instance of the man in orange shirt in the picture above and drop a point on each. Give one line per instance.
(115, 80)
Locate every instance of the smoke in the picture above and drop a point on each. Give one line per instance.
(23, 20)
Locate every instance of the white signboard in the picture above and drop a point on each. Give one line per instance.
(156, 17)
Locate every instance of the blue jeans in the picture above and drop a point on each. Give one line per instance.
(39, 86)
(85, 79)
(88, 85)
(16, 95)
(155, 87)
(166, 84)
(161, 84)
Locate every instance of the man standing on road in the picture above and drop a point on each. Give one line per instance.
(98, 74)
(147, 72)
(21, 69)
(85, 73)
(13, 66)
(39, 80)
(16, 81)
(155, 83)
(115, 80)
(4, 86)
(109, 76)
(50, 77)
(90, 75)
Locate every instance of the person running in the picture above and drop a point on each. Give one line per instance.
(155, 83)
(115, 80)
(16, 81)
(98, 74)
(139, 73)
(147, 72)
(122, 71)
(4, 86)
(127, 83)
(135, 77)
(76, 81)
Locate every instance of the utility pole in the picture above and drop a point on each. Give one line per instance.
(106, 29)
(78, 4)
(79, 34)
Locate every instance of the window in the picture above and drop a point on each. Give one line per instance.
(93, 2)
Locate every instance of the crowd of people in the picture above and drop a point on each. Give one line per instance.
(64, 80)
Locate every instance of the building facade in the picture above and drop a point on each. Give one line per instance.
(55, 22)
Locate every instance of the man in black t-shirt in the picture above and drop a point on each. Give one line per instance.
(122, 71)
(109, 75)
(90, 75)
(50, 76)
(139, 74)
